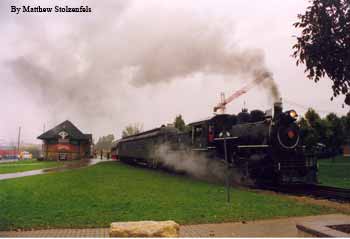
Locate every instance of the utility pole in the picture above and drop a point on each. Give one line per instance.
(225, 138)
(43, 144)
(19, 139)
(227, 168)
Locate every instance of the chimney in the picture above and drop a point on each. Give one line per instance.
(277, 109)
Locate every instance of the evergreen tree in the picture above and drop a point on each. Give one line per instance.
(179, 123)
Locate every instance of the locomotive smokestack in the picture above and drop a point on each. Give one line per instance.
(277, 109)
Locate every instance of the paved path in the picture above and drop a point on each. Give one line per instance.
(21, 174)
(8, 160)
(285, 227)
(70, 165)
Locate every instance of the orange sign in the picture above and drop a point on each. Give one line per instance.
(63, 147)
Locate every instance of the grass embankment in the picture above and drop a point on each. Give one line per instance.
(26, 165)
(107, 192)
(334, 172)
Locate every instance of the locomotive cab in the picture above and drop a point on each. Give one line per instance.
(204, 133)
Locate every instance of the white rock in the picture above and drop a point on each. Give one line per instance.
(144, 229)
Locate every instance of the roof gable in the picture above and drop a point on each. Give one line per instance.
(68, 127)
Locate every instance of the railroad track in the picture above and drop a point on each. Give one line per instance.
(314, 190)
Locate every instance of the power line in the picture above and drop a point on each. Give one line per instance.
(305, 107)
(19, 139)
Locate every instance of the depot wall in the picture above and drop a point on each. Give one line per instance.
(66, 151)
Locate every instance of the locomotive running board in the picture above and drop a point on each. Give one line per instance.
(254, 146)
(226, 138)
(204, 149)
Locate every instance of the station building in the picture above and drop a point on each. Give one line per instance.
(66, 142)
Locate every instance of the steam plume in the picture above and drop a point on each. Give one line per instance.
(91, 59)
(199, 166)
(193, 164)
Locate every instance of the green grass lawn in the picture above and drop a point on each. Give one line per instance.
(26, 165)
(335, 172)
(98, 195)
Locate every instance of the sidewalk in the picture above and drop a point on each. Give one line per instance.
(285, 227)
(71, 165)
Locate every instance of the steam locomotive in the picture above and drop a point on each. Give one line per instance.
(259, 147)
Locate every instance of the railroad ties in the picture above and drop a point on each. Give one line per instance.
(314, 190)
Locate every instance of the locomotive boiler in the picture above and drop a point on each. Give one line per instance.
(258, 147)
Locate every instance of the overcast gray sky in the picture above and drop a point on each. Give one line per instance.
(145, 62)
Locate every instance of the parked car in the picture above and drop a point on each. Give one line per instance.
(10, 157)
(25, 155)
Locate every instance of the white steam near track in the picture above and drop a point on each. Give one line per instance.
(196, 165)
(199, 166)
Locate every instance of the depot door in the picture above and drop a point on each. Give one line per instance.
(62, 156)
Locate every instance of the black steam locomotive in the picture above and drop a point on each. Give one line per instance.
(260, 147)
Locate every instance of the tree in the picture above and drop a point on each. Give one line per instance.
(336, 137)
(304, 131)
(312, 117)
(308, 135)
(179, 123)
(132, 129)
(345, 120)
(323, 131)
(330, 131)
(324, 44)
(312, 128)
(105, 142)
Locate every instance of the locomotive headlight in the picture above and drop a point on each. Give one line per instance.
(293, 114)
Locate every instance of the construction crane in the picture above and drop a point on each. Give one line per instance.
(223, 102)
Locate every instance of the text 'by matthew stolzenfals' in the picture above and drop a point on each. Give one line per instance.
(55, 9)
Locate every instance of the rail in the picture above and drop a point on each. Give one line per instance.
(314, 190)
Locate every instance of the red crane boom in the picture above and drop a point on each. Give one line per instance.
(238, 93)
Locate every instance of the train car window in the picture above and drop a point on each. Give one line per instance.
(198, 130)
(192, 134)
(197, 135)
